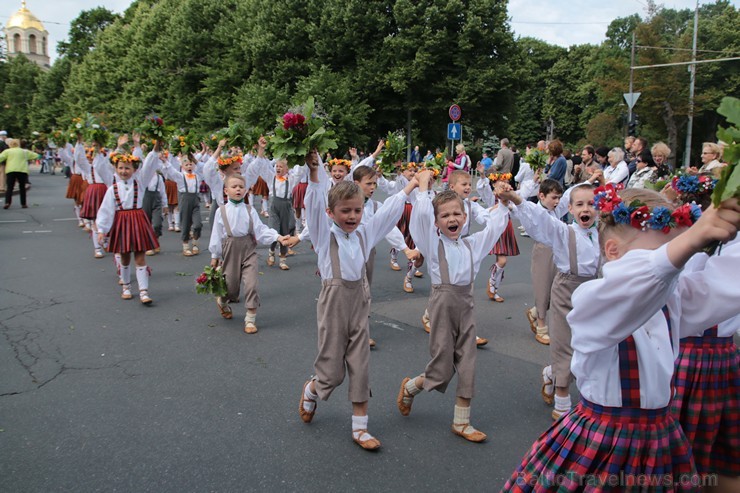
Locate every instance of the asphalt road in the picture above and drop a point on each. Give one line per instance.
(102, 394)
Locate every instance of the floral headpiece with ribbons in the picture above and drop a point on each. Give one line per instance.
(638, 215)
(339, 162)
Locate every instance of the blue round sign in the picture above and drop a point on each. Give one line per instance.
(455, 112)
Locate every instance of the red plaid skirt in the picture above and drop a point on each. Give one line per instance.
(299, 193)
(597, 448)
(91, 201)
(707, 402)
(506, 244)
(131, 232)
(403, 225)
(260, 188)
(74, 188)
(170, 188)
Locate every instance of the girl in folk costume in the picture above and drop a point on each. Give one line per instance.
(505, 247)
(187, 186)
(391, 187)
(707, 382)
(233, 244)
(100, 177)
(77, 184)
(626, 329)
(437, 226)
(262, 189)
(205, 193)
(577, 258)
(121, 217)
(343, 243)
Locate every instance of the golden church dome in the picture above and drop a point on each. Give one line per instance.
(24, 19)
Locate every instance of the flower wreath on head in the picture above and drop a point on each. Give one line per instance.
(409, 165)
(339, 162)
(225, 160)
(500, 176)
(638, 215)
(124, 157)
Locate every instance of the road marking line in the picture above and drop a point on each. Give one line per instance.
(38, 231)
(66, 219)
(390, 324)
(15, 221)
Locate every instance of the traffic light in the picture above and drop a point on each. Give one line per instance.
(632, 126)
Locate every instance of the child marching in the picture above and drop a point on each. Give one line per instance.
(187, 182)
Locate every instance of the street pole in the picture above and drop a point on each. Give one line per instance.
(632, 73)
(408, 136)
(692, 72)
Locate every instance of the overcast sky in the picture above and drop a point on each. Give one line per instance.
(561, 22)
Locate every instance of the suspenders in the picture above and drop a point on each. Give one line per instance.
(444, 268)
(119, 204)
(274, 190)
(227, 227)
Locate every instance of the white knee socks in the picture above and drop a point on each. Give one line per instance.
(126, 274)
(497, 275)
(142, 278)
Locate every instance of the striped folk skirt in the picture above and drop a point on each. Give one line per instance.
(299, 193)
(260, 188)
(707, 402)
(506, 244)
(597, 448)
(74, 188)
(170, 187)
(91, 201)
(131, 232)
(403, 225)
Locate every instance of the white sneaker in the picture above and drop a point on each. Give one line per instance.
(98, 253)
(144, 296)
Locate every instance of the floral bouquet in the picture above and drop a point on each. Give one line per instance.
(39, 140)
(60, 137)
(299, 132)
(437, 164)
(183, 142)
(394, 152)
(96, 132)
(153, 128)
(537, 160)
(211, 282)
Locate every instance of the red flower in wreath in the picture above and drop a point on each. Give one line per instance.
(682, 216)
(640, 217)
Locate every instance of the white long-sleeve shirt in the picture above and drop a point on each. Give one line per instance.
(395, 237)
(239, 219)
(628, 300)
(101, 170)
(185, 183)
(544, 227)
(143, 175)
(616, 174)
(322, 227)
(214, 178)
(458, 257)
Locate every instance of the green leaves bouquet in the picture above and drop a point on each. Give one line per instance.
(394, 151)
(299, 132)
(154, 129)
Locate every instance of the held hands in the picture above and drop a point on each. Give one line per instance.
(424, 180)
(289, 241)
(411, 254)
(214, 263)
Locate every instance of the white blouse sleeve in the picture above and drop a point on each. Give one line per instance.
(385, 219)
(264, 234)
(484, 190)
(422, 224)
(217, 232)
(107, 210)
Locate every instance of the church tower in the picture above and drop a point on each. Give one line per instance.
(25, 34)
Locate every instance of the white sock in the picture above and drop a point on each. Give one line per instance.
(462, 415)
(77, 213)
(562, 403)
(307, 394)
(142, 278)
(411, 387)
(265, 204)
(499, 275)
(410, 269)
(126, 274)
(177, 218)
(394, 255)
(250, 317)
(96, 244)
(360, 423)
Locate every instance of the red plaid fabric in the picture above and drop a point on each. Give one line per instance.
(299, 193)
(403, 225)
(707, 401)
(629, 373)
(595, 448)
(91, 201)
(506, 244)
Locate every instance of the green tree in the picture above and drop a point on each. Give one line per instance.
(83, 32)
(48, 109)
(19, 88)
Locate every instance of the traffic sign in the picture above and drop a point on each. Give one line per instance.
(455, 112)
(454, 131)
(631, 98)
